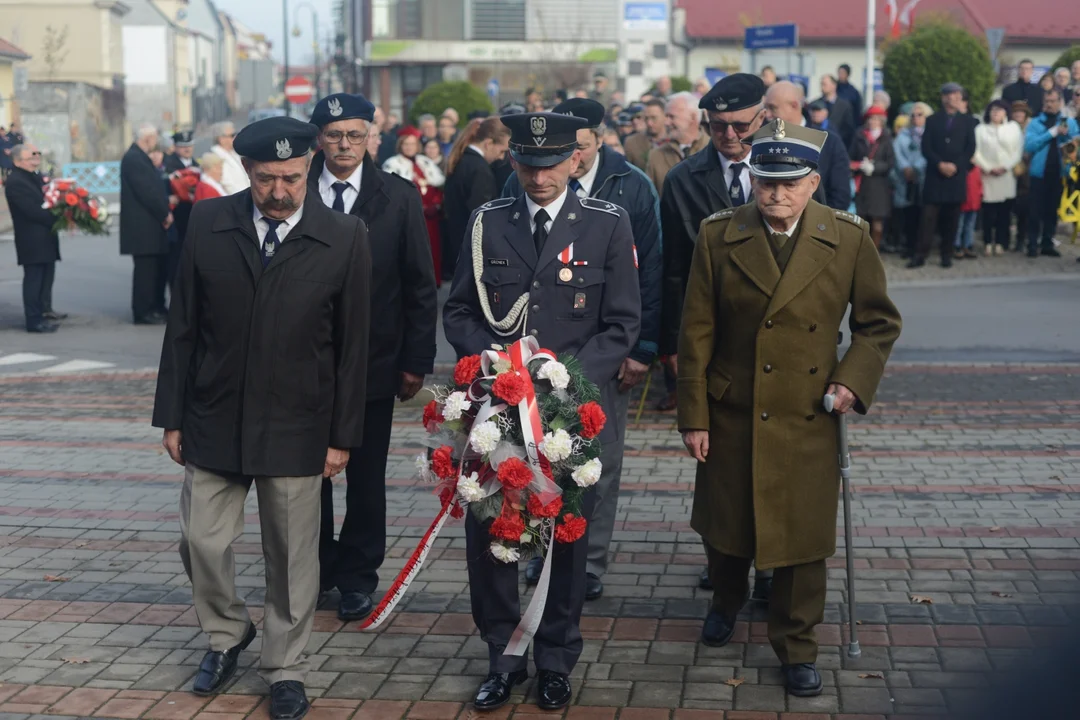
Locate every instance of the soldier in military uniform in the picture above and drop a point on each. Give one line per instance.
(769, 286)
(588, 306)
(181, 158)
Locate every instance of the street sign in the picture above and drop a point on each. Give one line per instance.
(763, 37)
(493, 88)
(645, 16)
(714, 75)
(1038, 72)
(299, 90)
(994, 38)
(879, 78)
(803, 80)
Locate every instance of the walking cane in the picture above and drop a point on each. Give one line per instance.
(829, 401)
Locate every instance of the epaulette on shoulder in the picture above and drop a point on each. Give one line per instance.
(496, 204)
(721, 215)
(601, 205)
(851, 218)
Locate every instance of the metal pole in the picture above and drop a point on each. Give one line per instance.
(871, 36)
(285, 74)
(318, 53)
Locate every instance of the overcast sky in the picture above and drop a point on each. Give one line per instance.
(266, 16)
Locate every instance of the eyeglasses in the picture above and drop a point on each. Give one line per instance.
(720, 127)
(355, 138)
(35, 154)
(917, 115)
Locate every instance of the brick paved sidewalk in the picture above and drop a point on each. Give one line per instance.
(968, 492)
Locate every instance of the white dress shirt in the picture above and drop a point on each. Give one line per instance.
(186, 162)
(286, 227)
(478, 150)
(588, 179)
(551, 208)
(729, 174)
(326, 187)
(790, 232)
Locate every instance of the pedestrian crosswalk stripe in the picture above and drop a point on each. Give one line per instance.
(26, 357)
(77, 366)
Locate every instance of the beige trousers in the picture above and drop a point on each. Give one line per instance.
(211, 519)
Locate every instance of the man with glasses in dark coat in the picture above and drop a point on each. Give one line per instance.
(402, 344)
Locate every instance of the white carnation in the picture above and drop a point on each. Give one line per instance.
(557, 445)
(485, 437)
(555, 373)
(505, 554)
(468, 488)
(501, 366)
(455, 405)
(587, 475)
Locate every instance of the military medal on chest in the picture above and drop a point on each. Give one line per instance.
(565, 257)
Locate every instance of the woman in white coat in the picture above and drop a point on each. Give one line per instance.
(999, 147)
(233, 176)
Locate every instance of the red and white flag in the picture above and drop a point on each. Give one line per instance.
(907, 15)
(894, 18)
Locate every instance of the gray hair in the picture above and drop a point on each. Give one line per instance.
(210, 160)
(882, 99)
(145, 131)
(424, 118)
(17, 151)
(927, 111)
(684, 96)
(221, 128)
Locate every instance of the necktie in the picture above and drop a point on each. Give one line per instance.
(540, 233)
(339, 196)
(736, 189)
(577, 188)
(271, 242)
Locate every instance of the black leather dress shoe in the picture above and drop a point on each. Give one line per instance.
(217, 667)
(915, 262)
(762, 588)
(53, 315)
(42, 327)
(717, 630)
(593, 587)
(703, 581)
(354, 606)
(151, 319)
(288, 701)
(553, 690)
(495, 691)
(533, 568)
(802, 680)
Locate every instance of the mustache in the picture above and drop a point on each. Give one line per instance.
(285, 203)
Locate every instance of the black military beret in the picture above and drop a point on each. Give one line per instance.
(590, 110)
(543, 139)
(818, 105)
(183, 138)
(625, 118)
(737, 91)
(342, 106)
(275, 138)
(512, 108)
(478, 114)
(635, 109)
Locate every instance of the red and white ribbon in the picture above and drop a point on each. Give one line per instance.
(567, 254)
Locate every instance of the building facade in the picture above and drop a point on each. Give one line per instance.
(12, 63)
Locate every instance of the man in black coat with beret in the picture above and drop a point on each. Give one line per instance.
(37, 247)
(263, 379)
(948, 144)
(145, 220)
(402, 343)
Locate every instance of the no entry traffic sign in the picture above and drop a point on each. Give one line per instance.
(299, 90)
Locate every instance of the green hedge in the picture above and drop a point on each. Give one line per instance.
(462, 96)
(937, 52)
(1067, 58)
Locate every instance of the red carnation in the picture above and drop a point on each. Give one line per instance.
(515, 474)
(446, 495)
(94, 213)
(510, 387)
(71, 199)
(571, 529)
(82, 192)
(467, 369)
(432, 416)
(508, 527)
(540, 510)
(443, 463)
(592, 419)
(457, 512)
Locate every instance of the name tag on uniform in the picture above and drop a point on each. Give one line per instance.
(498, 261)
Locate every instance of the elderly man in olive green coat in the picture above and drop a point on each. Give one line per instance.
(769, 286)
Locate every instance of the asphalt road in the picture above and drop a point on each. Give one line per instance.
(1029, 319)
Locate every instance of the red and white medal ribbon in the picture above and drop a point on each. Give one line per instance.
(567, 254)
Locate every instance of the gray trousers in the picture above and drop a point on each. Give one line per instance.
(602, 522)
(211, 519)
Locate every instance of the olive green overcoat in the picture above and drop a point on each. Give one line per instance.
(757, 350)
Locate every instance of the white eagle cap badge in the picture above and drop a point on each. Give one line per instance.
(334, 106)
(721, 104)
(539, 125)
(779, 133)
(284, 149)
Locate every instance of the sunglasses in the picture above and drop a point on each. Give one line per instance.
(720, 127)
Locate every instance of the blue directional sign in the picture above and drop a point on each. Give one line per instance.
(763, 37)
(714, 75)
(493, 88)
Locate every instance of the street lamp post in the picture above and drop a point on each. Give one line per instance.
(315, 44)
(868, 85)
(285, 40)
